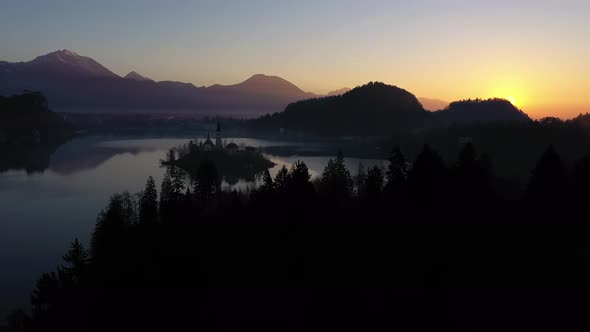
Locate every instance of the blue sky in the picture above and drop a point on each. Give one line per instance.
(439, 49)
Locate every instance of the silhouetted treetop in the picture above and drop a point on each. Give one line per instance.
(548, 181)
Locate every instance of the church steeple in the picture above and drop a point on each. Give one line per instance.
(218, 136)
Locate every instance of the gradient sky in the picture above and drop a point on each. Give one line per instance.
(533, 52)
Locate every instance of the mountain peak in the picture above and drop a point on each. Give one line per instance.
(262, 78)
(133, 75)
(69, 62)
(61, 55)
(68, 52)
(267, 84)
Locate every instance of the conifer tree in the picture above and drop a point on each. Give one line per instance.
(360, 180)
(77, 259)
(336, 182)
(374, 183)
(397, 171)
(166, 198)
(177, 178)
(427, 180)
(282, 180)
(548, 182)
(148, 211)
(267, 183)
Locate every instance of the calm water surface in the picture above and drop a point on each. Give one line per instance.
(42, 213)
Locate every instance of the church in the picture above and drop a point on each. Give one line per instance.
(209, 146)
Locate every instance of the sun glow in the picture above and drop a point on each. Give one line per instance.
(512, 89)
(511, 100)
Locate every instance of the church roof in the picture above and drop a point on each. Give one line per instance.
(208, 141)
(232, 146)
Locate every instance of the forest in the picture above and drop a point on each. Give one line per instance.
(420, 245)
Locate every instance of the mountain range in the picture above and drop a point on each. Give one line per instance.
(78, 83)
(75, 83)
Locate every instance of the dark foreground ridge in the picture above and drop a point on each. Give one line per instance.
(414, 247)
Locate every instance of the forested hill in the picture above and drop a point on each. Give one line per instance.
(26, 119)
(372, 109)
(481, 111)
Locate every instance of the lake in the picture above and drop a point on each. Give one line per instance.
(43, 212)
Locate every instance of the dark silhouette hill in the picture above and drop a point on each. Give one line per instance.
(26, 119)
(372, 109)
(29, 132)
(77, 83)
(481, 111)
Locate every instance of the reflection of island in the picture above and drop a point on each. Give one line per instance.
(232, 161)
(76, 155)
(31, 158)
(87, 153)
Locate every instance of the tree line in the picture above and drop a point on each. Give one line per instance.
(418, 245)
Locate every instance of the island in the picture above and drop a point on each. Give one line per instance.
(233, 162)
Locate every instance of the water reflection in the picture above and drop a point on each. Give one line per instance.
(30, 158)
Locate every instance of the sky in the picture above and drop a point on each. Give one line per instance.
(535, 53)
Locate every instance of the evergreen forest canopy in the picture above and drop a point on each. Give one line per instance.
(416, 246)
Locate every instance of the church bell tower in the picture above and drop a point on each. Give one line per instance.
(218, 144)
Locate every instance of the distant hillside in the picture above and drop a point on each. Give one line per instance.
(77, 83)
(137, 77)
(371, 109)
(433, 104)
(481, 111)
(261, 84)
(338, 92)
(582, 120)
